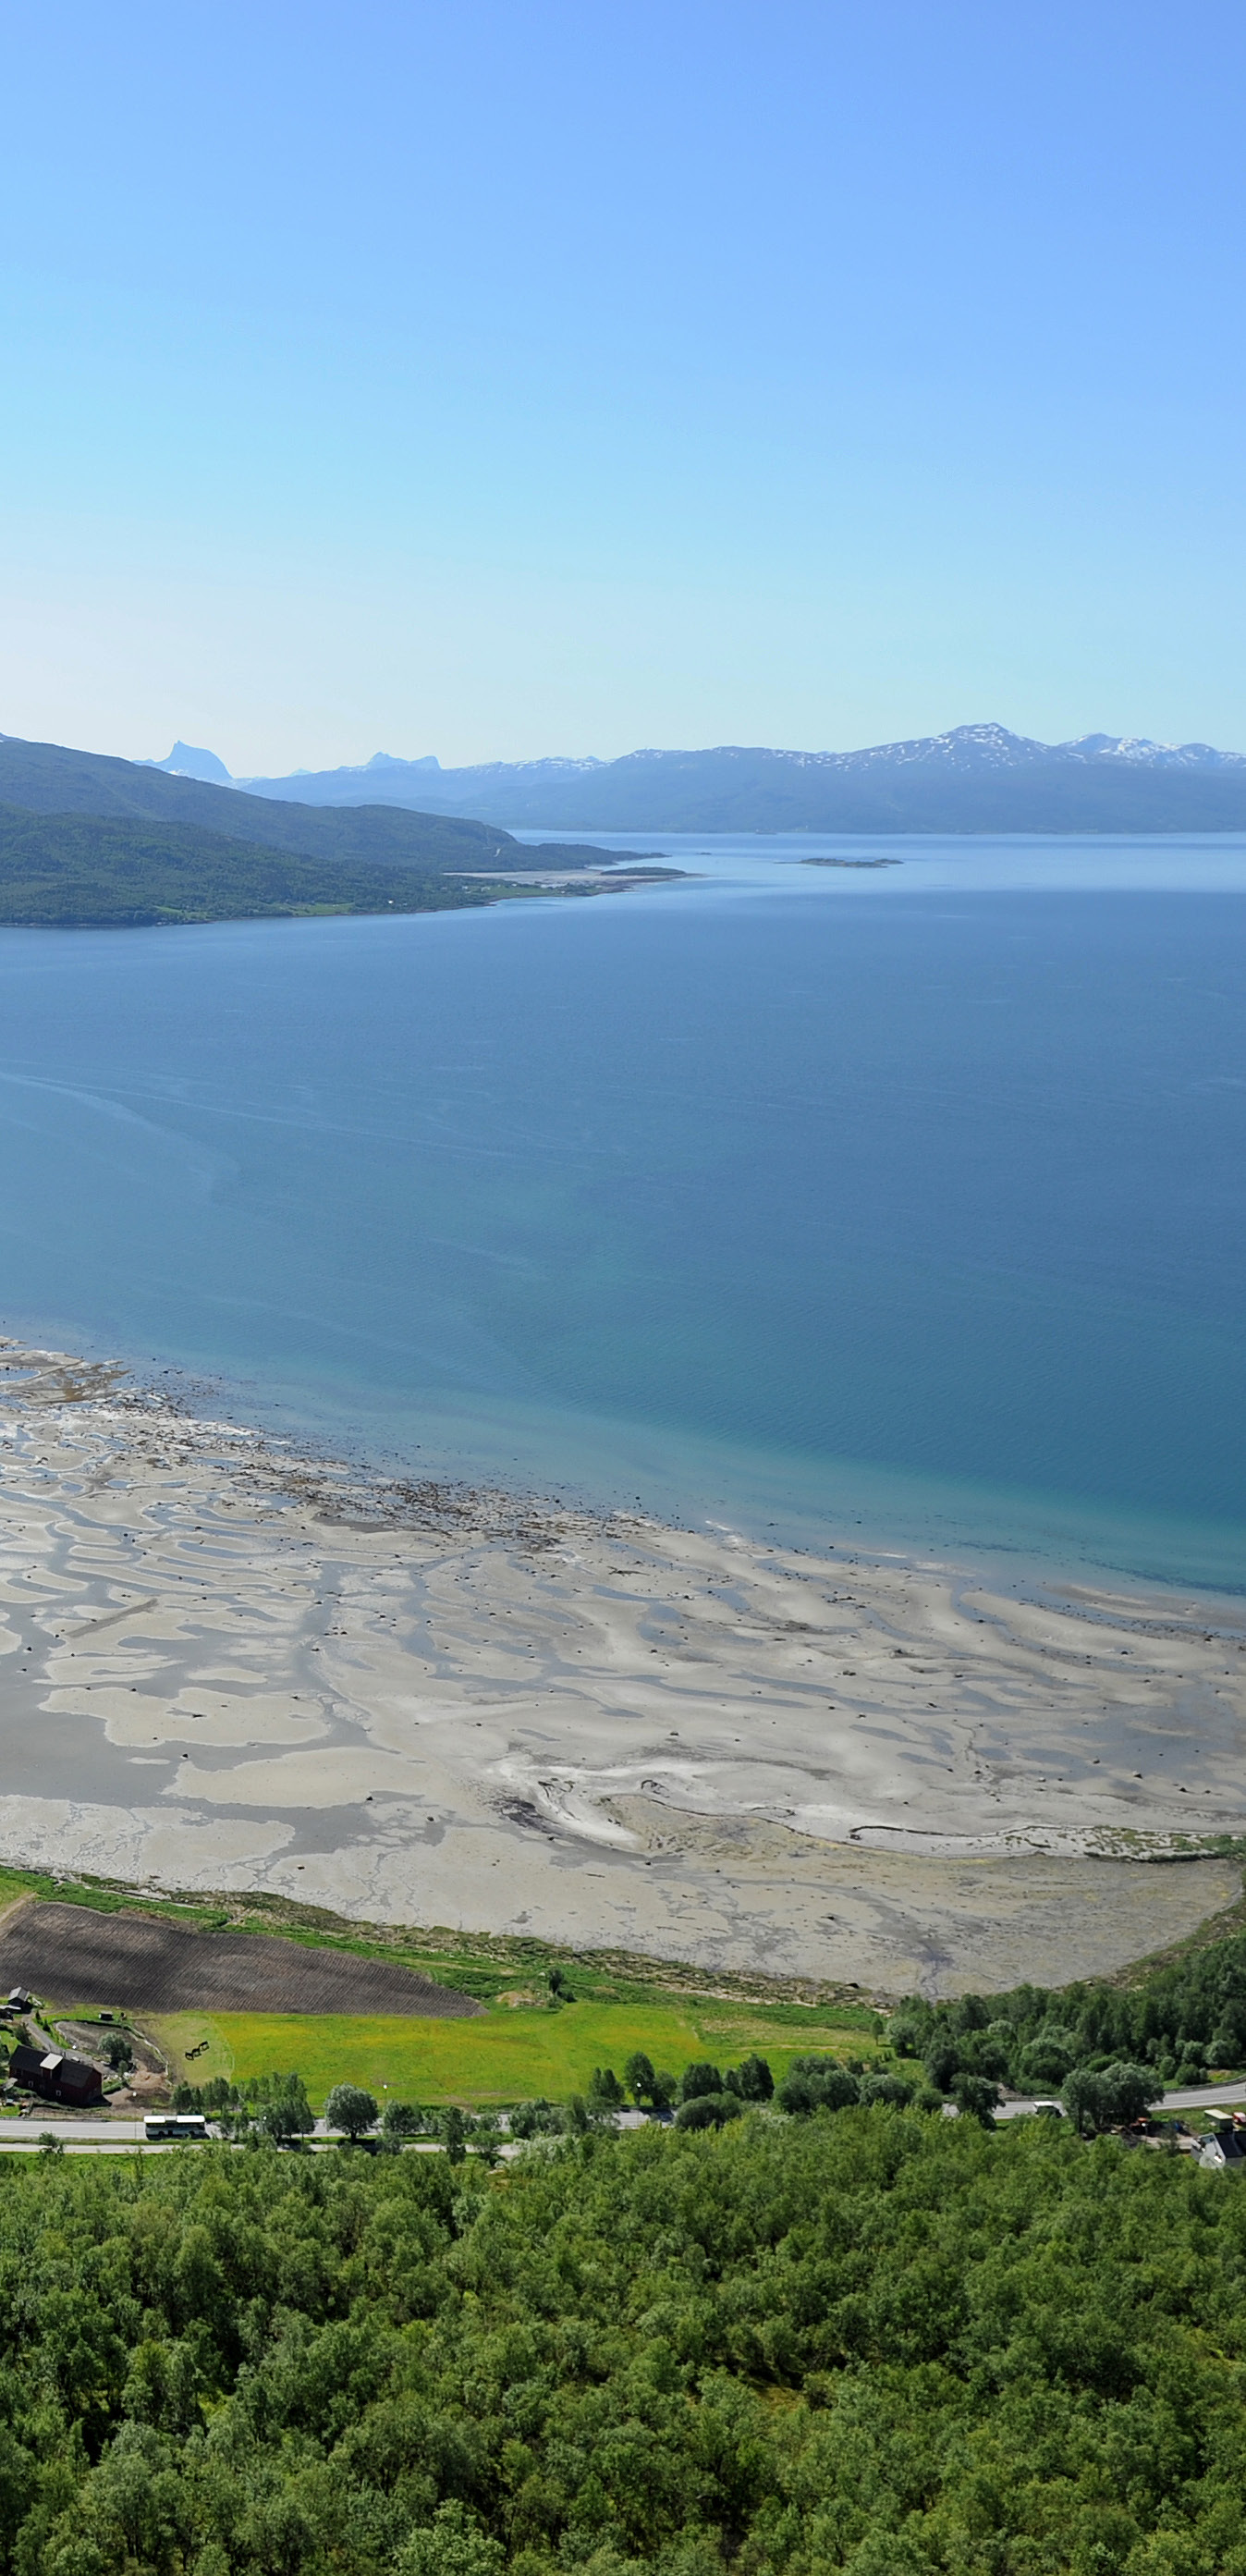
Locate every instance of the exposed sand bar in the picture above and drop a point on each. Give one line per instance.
(223, 1666)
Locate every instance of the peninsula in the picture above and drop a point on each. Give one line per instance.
(87, 841)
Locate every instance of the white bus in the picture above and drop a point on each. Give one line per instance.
(174, 2124)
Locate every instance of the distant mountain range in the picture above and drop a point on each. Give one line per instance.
(447, 828)
(978, 778)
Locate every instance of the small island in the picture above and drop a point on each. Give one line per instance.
(851, 863)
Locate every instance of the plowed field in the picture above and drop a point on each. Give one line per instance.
(74, 1956)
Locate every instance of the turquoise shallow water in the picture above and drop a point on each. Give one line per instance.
(908, 1200)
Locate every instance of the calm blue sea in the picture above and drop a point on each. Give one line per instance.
(904, 1201)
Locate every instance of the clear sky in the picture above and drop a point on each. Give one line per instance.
(528, 376)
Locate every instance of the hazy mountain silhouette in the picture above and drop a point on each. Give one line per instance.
(978, 778)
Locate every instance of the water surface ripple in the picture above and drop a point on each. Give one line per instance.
(908, 1198)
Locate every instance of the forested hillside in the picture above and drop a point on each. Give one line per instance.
(1184, 2020)
(81, 871)
(869, 2340)
(48, 778)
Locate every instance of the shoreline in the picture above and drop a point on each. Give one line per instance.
(230, 1664)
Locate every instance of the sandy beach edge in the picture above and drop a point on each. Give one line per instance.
(228, 1663)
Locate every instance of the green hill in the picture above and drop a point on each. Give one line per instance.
(83, 871)
(47, 778)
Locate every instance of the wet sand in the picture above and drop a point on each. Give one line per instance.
(225, 1666)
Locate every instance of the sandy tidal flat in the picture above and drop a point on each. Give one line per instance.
(225, 1666)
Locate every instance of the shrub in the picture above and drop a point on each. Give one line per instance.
(941, 2059)
(752, 2080)
(401, 2120)
(906, 2035)
(537, 2120)
(700, 2078)
(454, 2543)
(817, 2084)
(1046, 2060)
(976, 2097)
(452, 2129)
(708, 2111)
(897, 2090)
(1227, 2046)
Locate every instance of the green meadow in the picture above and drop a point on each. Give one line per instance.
(507, 2055)
(521, 2045)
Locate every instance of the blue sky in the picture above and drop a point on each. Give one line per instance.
(526, 378)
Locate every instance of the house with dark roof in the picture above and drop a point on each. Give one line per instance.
(55, 2078)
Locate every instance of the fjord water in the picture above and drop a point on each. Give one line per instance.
(905, 1202)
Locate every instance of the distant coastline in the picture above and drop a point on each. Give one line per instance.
(82, 872)
(89, 842)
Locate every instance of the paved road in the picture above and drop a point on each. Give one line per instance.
(84, 2136)
(1204, 2096)
(89, 2137)
(1199, 2097)
(119, 2137)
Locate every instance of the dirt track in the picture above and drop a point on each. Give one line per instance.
(75, 1956)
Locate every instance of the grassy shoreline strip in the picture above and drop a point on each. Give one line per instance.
(483, 1964)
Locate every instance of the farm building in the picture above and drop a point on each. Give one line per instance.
(57, 2079)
